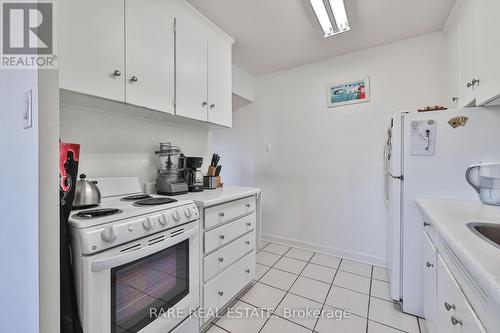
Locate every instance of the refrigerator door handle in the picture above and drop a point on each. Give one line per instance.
(402, 177)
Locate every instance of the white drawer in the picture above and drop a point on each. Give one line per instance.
(222, 235)
(228, 211)
(219, 260)
(219, 291)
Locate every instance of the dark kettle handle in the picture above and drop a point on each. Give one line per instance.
(469, 180)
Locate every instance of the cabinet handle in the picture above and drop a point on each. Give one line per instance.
(248, 271)
(221, 214)
(474, 81)
(469, 84)
(222, 236)
(249, 224)
(247, 242)
(117, 73)
(454, 99)
(221, 293)
(221, 259)
(426, 224)
(212, 106)
(449, 306)
(456, 321)
(204, 103)
(134, 79)
(248, 205)
(428, 264)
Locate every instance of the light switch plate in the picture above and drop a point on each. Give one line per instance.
(268, 147)
(28, 109)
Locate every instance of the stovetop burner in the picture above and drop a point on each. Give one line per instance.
(136, 197)
(154, 201)
(95, 213)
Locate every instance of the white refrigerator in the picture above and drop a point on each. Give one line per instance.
(425, 156)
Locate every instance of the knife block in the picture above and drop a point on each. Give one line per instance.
(211, 173)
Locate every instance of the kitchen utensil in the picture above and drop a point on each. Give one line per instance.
(171, 170)
(87, 193)
(485, 179)
(218, 170)
(194, 176)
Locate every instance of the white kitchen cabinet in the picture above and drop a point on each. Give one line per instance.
(430, 284)
(91, 47)
(191, 70)
(203, 74)
(149, 54)
(468, 54)
(219, 81)
(158, 54)
(454, 313)
(488, 52)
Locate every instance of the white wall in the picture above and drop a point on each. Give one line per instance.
(322, 180)
(19, 287)
(114, 145)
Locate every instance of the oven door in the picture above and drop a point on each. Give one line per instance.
(147, 286)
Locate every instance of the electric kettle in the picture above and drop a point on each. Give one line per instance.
(485, 179)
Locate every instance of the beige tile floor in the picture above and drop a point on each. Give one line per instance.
(291, 278)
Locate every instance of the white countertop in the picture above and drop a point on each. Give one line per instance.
(450, 219)
(209, 198)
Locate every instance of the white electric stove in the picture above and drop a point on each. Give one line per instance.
(136, 257)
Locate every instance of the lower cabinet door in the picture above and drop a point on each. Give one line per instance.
(219, 291)
(454, 313)
(430, 284)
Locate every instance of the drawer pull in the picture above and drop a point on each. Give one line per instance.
(248, 271)
(221, 293)
(247, 242)
(449, 306)
(428, 264)
(248, 205)
(221, 259)
(427, 224)
(221, 214)
(222, 236)
(455, 321)
(249, 224)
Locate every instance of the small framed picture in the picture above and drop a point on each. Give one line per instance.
(351, 92)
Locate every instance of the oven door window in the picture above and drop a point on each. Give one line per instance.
(158, 281)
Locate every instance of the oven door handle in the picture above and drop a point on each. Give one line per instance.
(108, 263)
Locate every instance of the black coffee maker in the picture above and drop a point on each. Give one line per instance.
(194, 176)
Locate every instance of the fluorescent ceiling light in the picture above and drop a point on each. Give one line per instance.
(339, 14)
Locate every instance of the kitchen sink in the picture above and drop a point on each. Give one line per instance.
(489, 232)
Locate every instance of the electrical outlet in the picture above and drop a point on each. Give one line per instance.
(27, 109)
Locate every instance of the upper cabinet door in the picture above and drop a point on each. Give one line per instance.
(468, 54)
(219, 81)
(92, 47)
(191, 70)
(488, 52)
(150, 54)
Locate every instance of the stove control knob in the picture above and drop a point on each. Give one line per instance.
(188, 212)
(147, 224)
(164, 219)
(176, 216)
(108, 235)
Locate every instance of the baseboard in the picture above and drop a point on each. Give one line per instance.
(357, 256)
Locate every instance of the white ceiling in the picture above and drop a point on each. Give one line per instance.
(272, 35)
